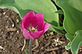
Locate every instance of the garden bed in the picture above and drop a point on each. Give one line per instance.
(12, 41)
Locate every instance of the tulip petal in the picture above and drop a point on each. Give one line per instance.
(27, 35)
(36, 35)
(40, 21)
(46, 27)
(28, 19)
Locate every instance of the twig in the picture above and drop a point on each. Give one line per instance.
(37, 44)
(47, 44)
(11, 29)
(23, 45)
(2, 48)
(51, 49)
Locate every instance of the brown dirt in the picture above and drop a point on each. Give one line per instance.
(51, 43)
(11, 38)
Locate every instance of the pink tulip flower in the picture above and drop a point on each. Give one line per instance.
(33, 25)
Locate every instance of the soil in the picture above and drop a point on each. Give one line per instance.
(51, 43)
(12, 40)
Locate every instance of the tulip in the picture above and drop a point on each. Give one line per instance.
(33, 25)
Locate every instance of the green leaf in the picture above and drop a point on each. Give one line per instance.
(68, 46)
(40, 6)
(77, 42)
(59, 30)
(69, 36)
(72, 17)
(76, 4)
(59, 12)
(7, 2)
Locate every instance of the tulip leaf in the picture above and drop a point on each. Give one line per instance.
(6, 1)
(69, 36)
(59, 12)
(76, 4)
(72, 17)
(77, 42)
(68, 46)
(45, 7)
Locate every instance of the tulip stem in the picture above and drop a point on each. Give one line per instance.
(30, 46)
